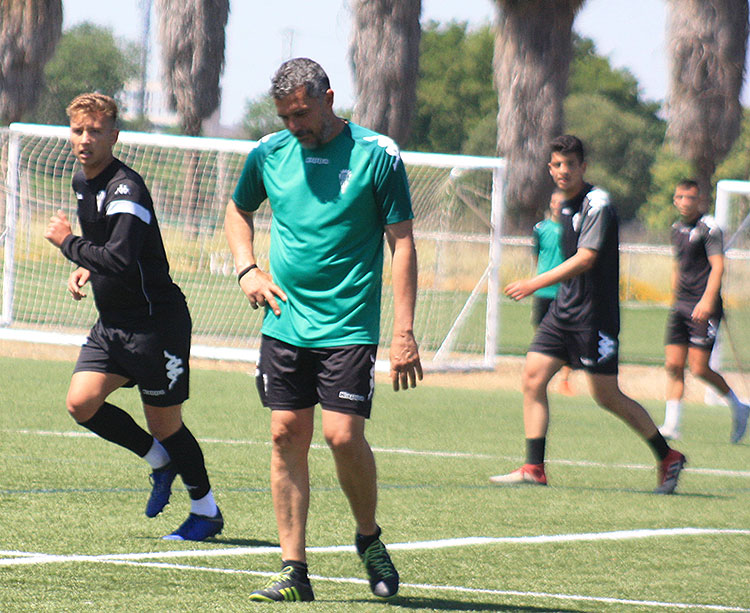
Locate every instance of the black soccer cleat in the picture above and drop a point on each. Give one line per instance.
(382, 574)
(284, 587)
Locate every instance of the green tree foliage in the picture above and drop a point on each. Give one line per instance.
(87, 58)
(455, 92)
(622, 133)
(737, 163)
(658, 213)
(260, 118)
(457, 110)
(668, 168)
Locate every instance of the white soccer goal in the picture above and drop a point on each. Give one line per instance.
(458, 204)
(732, 213)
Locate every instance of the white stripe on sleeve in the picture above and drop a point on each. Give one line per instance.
(133, 208)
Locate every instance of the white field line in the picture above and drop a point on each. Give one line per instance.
(20, 558)
(453, 588)
(716, 472)
(134, 560)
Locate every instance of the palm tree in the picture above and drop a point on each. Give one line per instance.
(533, 49)
(707, 42)
(192, 37)
(29, 31)
(385, 59)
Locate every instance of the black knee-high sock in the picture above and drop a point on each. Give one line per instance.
(535, 450)
(187, 459)
(658, 445)
(117, 426)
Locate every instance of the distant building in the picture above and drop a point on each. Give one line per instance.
(159, 114)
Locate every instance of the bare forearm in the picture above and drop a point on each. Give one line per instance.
(404, 277)
(575, 265)
(240, 234)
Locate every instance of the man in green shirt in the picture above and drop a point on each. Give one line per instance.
(548, 253)
(335, 189)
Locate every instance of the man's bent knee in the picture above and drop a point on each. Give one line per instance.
(82, 409)
(533, 381)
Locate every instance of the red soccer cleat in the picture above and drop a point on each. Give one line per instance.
(669, 472)
(528, 473)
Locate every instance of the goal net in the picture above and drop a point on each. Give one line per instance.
(732, 212)
(457, 204)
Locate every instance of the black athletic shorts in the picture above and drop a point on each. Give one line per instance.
(154, 356)
(539, 308)
(595, 351)
(341, 379)
(682, 330)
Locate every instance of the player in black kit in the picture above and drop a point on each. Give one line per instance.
(696, 310)
(142, 336)
(583, 323)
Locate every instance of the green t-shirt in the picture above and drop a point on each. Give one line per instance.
(330, 206)
(548, 249)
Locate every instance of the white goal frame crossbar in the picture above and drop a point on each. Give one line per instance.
(441, 359)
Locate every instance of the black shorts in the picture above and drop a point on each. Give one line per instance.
(539, 308)
(683, 330)
(155, 356)
(596, 351)
(341, 379)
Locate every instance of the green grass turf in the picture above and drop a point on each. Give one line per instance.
(79, 496)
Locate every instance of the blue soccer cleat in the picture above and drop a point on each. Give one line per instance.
(198, 528)
(161, 489)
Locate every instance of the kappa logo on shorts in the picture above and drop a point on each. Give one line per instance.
(174, 368)
(349, 396)
(607, 347)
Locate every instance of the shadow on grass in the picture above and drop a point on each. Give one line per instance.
(213, 540)
(446, 604)
(624, 490)
(242, 542)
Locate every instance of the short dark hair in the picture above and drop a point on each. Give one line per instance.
(567, 144)
(299, 72)
(688, 184)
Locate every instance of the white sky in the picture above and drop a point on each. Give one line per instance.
(261, 34)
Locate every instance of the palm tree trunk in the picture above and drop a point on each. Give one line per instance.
(29, 31)
(192, 36)
(707, 42)
(385, 58)
(533, 49)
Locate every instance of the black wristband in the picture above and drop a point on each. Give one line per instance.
(244, 271)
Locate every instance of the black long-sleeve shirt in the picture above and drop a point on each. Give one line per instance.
(121, 246)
